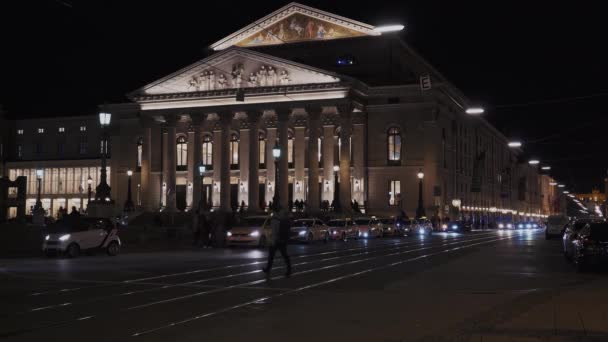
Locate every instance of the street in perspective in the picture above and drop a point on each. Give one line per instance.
(301, 172)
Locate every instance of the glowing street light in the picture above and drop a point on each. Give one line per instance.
(388, 28)
(561, 186)
(546, 168)
(533, 162)
(475, 110)
(552, 183)
(566, 192)
(514, 144)
(420, 212)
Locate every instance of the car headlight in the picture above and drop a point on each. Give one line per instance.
(229, 234)
(535, 225)
(454, 227)
(501, 226)
(398, 224)
(528, 226)
(255, 233)
(47, 237)
(509, 225)
(64, 237)
(520, 225)
(302, 233)
(444, 226)
(365, 234)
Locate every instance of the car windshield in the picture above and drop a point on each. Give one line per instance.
(255, 221)
(304, 223)
(336, 223)
(67, 225)
(599, 232)
(362, 222)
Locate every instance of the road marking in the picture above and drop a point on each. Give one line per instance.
(350, 275)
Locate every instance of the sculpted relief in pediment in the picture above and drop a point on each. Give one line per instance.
(261, 76)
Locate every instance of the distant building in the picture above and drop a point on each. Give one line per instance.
(330, 91)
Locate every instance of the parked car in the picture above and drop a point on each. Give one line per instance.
(343, 229)
(505, 225)
(586, 243)
(391, 227)
(457, 226)
(309, 230)
(421, 226)
(251, 231)
(72, 235)
(369, 227)
(556, 224)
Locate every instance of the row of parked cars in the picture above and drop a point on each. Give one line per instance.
(255, 230)
(584, 241)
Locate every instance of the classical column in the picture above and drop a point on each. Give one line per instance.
(254, 160)
(225, 121)
(358, 147)
(299, 160)
(314, 115)
(345, 134)
(148, 202)
(170, 165)
(328, 162)
(271, 138)
(217, 167)
(244, 162)
(283, 186)
(197, 124)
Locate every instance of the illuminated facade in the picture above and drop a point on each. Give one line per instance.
(329, 91)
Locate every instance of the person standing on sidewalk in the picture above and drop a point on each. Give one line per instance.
(279, 223)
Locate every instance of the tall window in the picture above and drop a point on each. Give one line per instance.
(140, 152)
(82, 147)
(234, 149)
(262, 146)
(182, 154)
(394, 145)
(290, 149)
(394, 192)
(350, 148)
(207, 152)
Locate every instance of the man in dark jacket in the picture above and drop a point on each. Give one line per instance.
(279, 222)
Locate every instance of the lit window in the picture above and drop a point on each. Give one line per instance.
(20, 131)
(140, 151)
(83, 128)
(234, 149)
(319, 148)
(262, 146)
(207, 151)
(182, 153)
(394, 145)
(61, 129)
(40, 130)
(290, 149)
(394, 192)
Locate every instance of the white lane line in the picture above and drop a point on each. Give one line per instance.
(197, 294)
(299, 289)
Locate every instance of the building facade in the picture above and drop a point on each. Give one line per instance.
(356, 114)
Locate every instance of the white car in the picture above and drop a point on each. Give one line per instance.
(72, 235)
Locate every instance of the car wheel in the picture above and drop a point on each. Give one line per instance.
(72, 251)
(310, 238)
(262, 242)
(113, 248)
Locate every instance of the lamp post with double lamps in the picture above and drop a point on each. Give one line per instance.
(276, 153)
(102, 191)
(420, 212)
(38, 212)
(129, 206)
(201, 173)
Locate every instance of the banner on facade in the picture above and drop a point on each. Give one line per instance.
(478, 172)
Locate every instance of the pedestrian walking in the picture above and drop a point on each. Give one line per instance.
(280, 226)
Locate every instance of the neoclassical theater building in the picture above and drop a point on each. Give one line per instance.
(332, 93)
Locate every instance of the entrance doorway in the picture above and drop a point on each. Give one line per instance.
(180, 197)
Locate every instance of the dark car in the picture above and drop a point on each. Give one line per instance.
(586, 243)
(456, 226)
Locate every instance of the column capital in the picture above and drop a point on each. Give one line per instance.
(171, 120)
(345, 109)
(283, 113)
(225, 117)
(198, 119)
(313, 111)
(254, 116)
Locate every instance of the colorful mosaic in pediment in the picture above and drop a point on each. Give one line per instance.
(298, 27)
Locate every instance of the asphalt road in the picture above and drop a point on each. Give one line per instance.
(486, 286)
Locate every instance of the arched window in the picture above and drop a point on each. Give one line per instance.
(234, 149)
(140, 152)
(394, 145)
(182, 154)
(262, 151)
(207, 159)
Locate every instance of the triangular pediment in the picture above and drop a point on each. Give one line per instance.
(295, 23)
(237, 68)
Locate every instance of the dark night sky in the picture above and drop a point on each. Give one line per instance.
(63, 57)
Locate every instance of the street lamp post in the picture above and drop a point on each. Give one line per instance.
(276, 153)
(89, 182)
(129, 203)
(102, 192)
(39, 174)
(201, 172)
(336, 193)
(420, 210)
